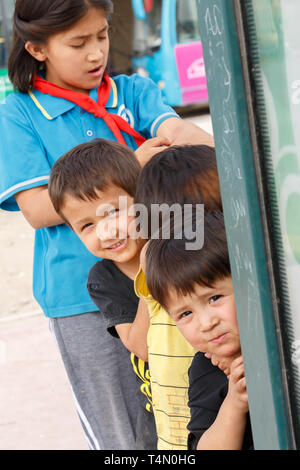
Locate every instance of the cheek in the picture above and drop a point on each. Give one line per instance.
(190, 335)
(91, 242)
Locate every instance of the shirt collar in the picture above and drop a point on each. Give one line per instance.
(52, 107)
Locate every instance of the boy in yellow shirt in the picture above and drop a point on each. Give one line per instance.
(179, 177)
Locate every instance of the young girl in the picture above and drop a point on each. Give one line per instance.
(65, 97)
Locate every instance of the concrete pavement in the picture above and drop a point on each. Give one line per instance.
(36, 403)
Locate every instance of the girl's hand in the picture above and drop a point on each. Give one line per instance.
(149, 148)
(237, 390)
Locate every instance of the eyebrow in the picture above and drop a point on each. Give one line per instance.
(85, 36)
(179, 310)
(208, 291)
(81, 221)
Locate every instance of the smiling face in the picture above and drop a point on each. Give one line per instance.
(207, 318)
(104, 226)
(76, 58)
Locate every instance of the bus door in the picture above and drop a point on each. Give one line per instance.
(6, 12)
(189, 54)
(167, 48)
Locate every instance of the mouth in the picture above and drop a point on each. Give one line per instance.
(97, 71)
(219, 339)
(119, 245)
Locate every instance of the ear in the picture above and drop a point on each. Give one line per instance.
(38, 52)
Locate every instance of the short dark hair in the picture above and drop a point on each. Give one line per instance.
(92, 166)
(36, 21)
(170, 265)
(184, 174)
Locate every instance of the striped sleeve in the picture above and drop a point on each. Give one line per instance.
(23, 161)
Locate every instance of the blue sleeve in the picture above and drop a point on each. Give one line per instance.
(150, 110)
(23, 161)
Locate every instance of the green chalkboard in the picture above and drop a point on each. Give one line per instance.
(245, 213)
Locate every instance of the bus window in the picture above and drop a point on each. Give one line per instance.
(187, 23)
(153, 24)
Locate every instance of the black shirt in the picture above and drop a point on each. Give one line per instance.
(113, 293)
(208, 387)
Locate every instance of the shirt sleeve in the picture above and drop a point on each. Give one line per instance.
(23, 160)
(109, 304)
(150, 110)
(142, 291)
(111, 297)
(208, 387)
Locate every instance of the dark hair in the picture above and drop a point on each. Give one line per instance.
(36, 21)
(92, 166)
(170, 265)
(180, 175)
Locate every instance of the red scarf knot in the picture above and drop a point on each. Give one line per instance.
(115, 123)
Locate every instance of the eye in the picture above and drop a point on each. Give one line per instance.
(77, 46)
(85, 226)
(184, 314)
(112, 211)
(214, 299)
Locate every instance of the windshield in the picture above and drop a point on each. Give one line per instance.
(6, 12)
(153, 22)
(187, 21)
(147, 33)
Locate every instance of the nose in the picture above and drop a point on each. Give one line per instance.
(95, 52)
(207, 322)
(107, 230)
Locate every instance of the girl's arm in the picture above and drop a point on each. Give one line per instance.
(227, 431)
(181, 132)
(172, 131)
(134, 335)
(37, 207)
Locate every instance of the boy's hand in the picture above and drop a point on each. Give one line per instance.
(237, 390)
(221, 362)
(149, 148)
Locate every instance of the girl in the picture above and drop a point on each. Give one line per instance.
(65, 97)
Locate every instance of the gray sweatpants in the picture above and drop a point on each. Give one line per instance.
(102, 379)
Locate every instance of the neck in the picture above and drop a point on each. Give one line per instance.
(129, 268)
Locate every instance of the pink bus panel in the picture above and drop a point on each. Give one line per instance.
(191, 72)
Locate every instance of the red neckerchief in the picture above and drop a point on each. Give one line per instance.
(115, 123)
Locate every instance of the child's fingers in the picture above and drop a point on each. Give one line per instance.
(219, 362)
(237, 362)
(237, 372)
(241, 385)
(159, 142)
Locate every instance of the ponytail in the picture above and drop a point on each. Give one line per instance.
(36, 21)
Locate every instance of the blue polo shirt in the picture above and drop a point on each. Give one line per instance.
(35, 130)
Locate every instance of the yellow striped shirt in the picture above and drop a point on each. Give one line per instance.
(169, 357)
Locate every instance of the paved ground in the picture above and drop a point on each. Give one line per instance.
(36, 405)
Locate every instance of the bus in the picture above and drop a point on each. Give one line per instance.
(6, 12)
(161, 39)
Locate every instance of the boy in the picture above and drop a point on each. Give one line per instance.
(200, 299)
(87, 188)
(176, 176)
